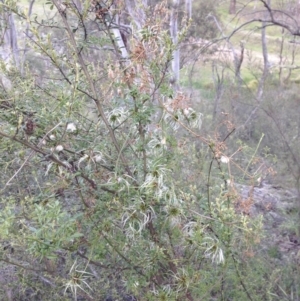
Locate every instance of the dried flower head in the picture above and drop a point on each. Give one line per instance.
(78, 278)
(139, 52)
(180, 101)
(29, 126)
(129, 76)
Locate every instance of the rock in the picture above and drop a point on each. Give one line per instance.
(275, 204)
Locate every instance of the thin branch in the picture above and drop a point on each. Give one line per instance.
(92, 86)
(240, 278)
(51, 157)
(31, 155)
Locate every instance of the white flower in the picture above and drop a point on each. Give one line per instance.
(98, 158)
(52, 137)
(174, 214)
(162, 192)
(189, 228)
(214, 251)
(77, 280)
(59, 148)
(218, 257)
(187, 111)
(83, 158)
(71, 127)
(157, 142)
(224, 159)
(117, 115)
(194, 118)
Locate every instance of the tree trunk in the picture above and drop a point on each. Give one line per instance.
(174, 35)
(239, 62)
(10, 40)
(119, 39)
(25, 38)
(266, 60)
(136, 12)
(219, 87)
(188, 7)
(232, 7)
(261, 84)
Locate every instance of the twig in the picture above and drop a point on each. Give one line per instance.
(260, 140)
(32, 153)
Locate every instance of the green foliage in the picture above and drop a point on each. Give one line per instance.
(204, 25)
